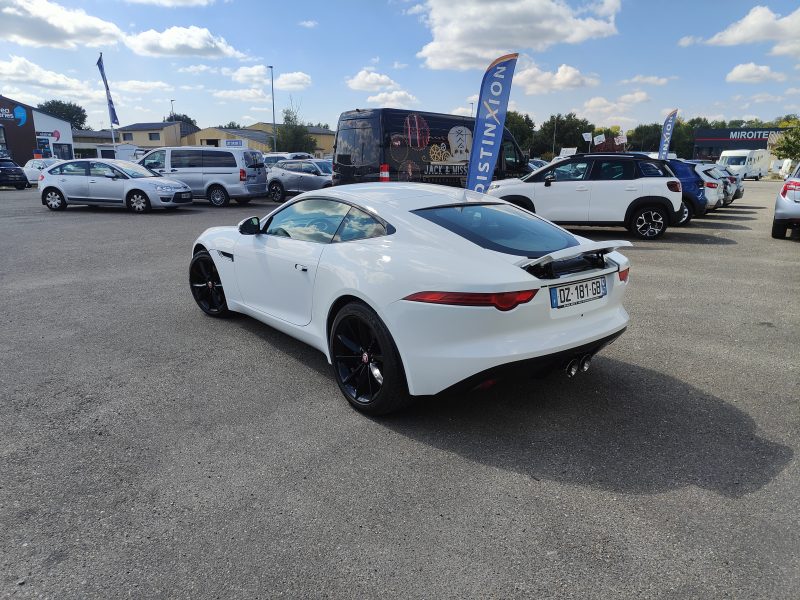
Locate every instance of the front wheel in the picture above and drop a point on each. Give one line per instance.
(138, 202)
(366, 364)
(649, 222)
(206, 285)
(276, 192)
(217, 196)
(686, 214)
(778, 230)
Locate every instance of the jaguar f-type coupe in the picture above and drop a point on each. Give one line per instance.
(414, 289)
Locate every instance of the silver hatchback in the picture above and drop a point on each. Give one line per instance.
(787, 207)
(297, 176)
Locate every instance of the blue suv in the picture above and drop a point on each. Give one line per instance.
(694, 194)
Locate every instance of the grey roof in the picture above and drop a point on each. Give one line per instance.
(186, 128)
(255, 135)
(312, 129)
(78, 134)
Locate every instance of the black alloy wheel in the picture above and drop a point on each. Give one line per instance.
(365, 362)
(217, 196)
(649, 222)
(206, 285)
(276, 192)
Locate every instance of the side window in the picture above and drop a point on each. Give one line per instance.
(652, 169)
(184, 159)
(127, 137)
(308, 168)
(74, 169)
(358, 225)
(358, 145)
(218, 160)
(312, 220)
(97, 169)
(612, 170)
(292, 166)
(155, 160)
(154, 137)
(571, 171)
(512, 159)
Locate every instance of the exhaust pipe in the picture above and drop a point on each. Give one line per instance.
(586, 362)
(572, 368)
(578, 365)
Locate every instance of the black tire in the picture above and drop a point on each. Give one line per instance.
(275, 192)
(218, 196)
(757, 177)
(778, 230)
(242, 200)
(206, 285)
(366, 365)
(138, 202)
(686, 214)
(21, 186)
(649, 222)
(53, 199)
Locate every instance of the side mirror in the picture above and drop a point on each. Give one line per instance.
(251, 226)
(548, 181)
(110, 175)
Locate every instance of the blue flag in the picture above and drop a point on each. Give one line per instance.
(487, 139)
(112, 114)
(666, 134)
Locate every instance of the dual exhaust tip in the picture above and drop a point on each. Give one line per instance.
(578, 365)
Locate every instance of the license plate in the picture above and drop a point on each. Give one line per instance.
(577, 293)
(186, 194)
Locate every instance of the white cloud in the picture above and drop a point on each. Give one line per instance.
(792, 91)
(197, 69)
(535, 81)
(293, 81)
(308, 24)
(141, 87)
(399, 65)
(260, 108)
(192, 88)
(473, 98)
(181, 41)
(648, 80)
(763, 25)
(607, 8)
(375, 60)
(243, 95)
(417, 9)
(255, 75)
(21, 95)
(393, 99)
(367, 80)
(753, 73)
(22, 71)
(636, 97)
(764, 97)
(689, 40)
(173, 3)
(460, 110)
(604, 111)
(42, 23)
(470, 36)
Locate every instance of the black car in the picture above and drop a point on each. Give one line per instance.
(11, 174)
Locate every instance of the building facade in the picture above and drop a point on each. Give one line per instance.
(27, 132)
(709, 143)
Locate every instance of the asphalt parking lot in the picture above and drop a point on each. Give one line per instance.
(149, 451)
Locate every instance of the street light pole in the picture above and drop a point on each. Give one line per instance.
(171, 109)
(471, 108)
(555, 125)
(272, 95)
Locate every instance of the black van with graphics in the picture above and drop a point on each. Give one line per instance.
(388, 144)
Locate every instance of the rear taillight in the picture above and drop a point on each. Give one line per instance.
(384, 172)
(711, 184)
(623, 274)
(790, 186)
(242, 175)
(674, 186)
(500, 300)
(41, 176)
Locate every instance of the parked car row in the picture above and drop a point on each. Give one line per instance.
(787, 207)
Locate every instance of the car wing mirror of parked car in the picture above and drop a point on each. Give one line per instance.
(110, 175)
(251, 226)
(549, 180)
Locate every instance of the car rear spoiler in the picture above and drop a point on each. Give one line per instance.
(601, 247)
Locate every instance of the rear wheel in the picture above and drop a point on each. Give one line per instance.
(206, 285)
(21, 186)
(138, 202)
(778, 230)
(217, 196)
(54, 200)
(366, 364)
(276, 192)
(686, 214)
(649, 222)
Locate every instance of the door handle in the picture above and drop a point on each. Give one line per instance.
(582, 189)
(92, 181)
(631, 189)
(302, 268)
(173, 170)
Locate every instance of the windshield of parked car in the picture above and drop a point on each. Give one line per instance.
(324, 166)
(732, 160)
(135, 171)
(500, 227)
(7, 163)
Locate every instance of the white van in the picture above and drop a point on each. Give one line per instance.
(750, 163)
(218, 174)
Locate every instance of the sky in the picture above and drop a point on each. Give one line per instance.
(614, 62)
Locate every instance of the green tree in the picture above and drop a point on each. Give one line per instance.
(788, 145)
(569, 130)
(645, 138)
(231, 125)
(293, 136)
(521, 127)
(69, 111)
(180, 117)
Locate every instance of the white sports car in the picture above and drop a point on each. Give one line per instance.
(413, 289)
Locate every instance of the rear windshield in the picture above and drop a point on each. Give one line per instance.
(654, 169)
(732, 160)
(500, 227)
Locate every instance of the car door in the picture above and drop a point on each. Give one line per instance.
(104, 189)
(562, 192)
(310, 177)
(73, 178)
(187, 166)
(614, 187)
(155, 161)
(276, 269)
(289, 176)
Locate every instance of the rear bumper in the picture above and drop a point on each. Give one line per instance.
(13, 180)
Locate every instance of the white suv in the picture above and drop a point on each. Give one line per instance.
(635, 191)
